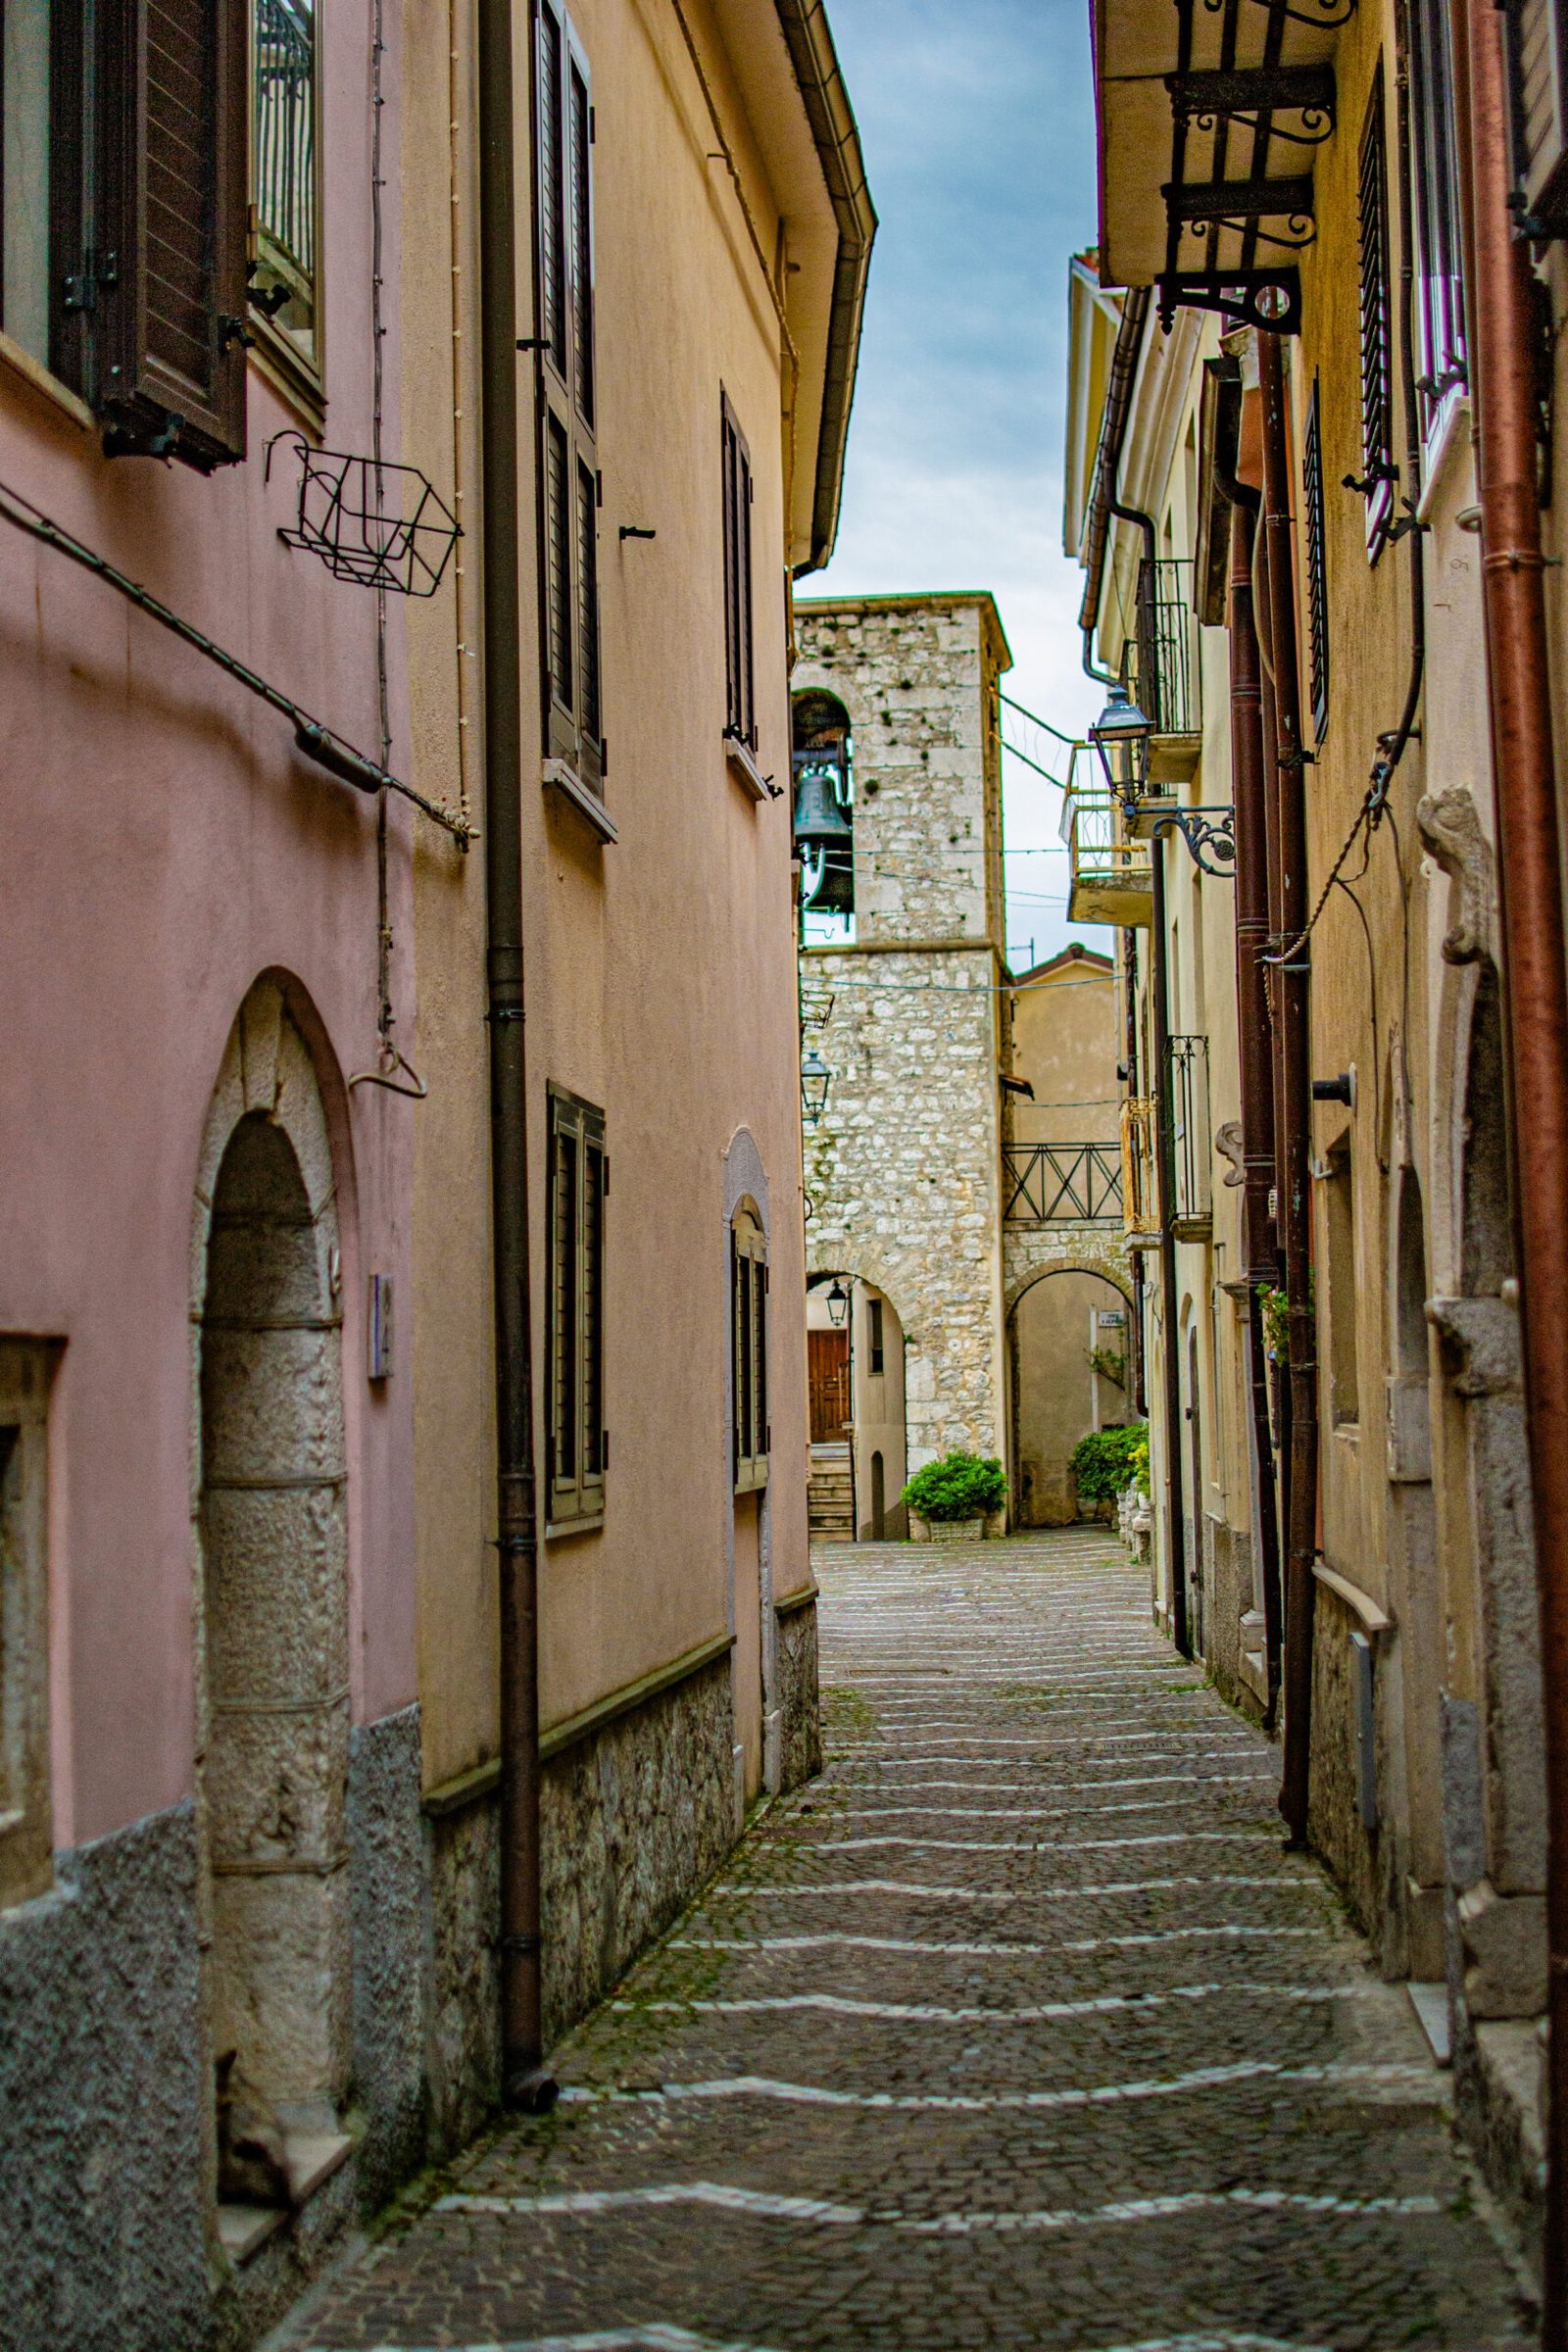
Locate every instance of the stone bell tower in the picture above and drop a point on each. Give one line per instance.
(907, 1010)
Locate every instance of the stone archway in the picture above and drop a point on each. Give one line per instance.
(271, 1522)
(1058, 1394)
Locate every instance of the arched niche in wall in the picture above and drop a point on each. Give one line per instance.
(272, 1575)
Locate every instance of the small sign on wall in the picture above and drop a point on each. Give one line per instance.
(379, 1328)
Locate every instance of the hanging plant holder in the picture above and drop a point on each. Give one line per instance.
(380, 526)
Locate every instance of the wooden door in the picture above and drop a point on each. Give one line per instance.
(828, 1370)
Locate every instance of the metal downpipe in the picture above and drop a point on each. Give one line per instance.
(1257, 1076)
(1294, 1204)
(1535, 983)
(525, 2083)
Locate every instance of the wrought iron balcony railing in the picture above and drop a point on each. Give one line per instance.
(1191, 1146)
(1110, 878)
(1160, 666)
(1140, 1170)
(1061, 1183)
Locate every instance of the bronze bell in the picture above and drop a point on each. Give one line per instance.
(820, 822)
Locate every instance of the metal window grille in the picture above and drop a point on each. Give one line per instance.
(285, 142)
(1187, 1077)
(1377, 338)
(1317, 600)
(1160, 661)
(1062, 1183)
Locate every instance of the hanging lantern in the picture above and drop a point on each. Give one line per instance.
(815, 1079)
(838, 1303)
(1121, 736)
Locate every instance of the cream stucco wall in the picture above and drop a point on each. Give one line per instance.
(659, 968)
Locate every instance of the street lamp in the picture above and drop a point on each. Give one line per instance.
(815, 1079)
(1121, 736)
(838, 1303)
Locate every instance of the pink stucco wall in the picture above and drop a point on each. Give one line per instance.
(164, 845)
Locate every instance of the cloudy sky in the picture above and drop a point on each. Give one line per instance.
(976, 119)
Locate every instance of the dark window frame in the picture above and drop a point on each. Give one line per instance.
(750, 1432)
(274, 266)
(577, 1189)
(1378, 472)
(1316, 564)
(740, 600)
(570, 485)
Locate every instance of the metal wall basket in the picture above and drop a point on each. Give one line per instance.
(377, 524)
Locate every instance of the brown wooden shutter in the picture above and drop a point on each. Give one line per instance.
(1317, 600)
(573, 725)
(1377, 339)
(169, 263)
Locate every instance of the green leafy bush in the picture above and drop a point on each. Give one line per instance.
(1111, 1460)
(962, 1486)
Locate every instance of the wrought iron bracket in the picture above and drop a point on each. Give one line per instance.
(1270, 299)
(1209, 834)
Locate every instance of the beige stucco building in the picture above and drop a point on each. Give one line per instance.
(697, 357)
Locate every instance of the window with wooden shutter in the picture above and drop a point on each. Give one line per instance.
(1537, 53)
(749, 1282)
(568, 469)
(1378, 473)
(578, 1183)
(739, 700)
(167, 268)
(1317, 597)
(1440, 287)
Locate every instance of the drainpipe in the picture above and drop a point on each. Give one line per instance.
(1536, 992)
(1252, 1014)
(1165, 1156)
(1293, 1163)
(523, 2080)
(1139, 1393)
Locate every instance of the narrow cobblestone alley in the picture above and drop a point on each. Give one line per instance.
(1016, 2028)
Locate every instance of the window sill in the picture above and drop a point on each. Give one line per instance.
(752, 1481)
(742, 763)
(37, 378)
(588, 1525)
(1447, 436)
(587, 803)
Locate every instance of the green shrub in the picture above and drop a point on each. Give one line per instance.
(962, 1486)
(1111, 1460)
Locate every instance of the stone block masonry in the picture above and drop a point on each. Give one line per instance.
(904, 1172)
(903, 1176)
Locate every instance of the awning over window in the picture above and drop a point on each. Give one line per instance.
(1209, 113)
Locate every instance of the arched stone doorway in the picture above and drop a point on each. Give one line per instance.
(1062, 1319)
(856, 1355)
(272, 1586)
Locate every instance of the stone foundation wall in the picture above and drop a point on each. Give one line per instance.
(462, 1985)
(1334, 1821)
(798, 1700)
(634, 1817)
(102, 2088)
(388, 1875)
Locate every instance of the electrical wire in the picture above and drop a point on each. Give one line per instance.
(318, 740)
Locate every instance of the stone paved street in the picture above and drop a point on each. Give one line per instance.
(1016, 2028)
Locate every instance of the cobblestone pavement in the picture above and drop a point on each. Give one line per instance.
(1016, 2028)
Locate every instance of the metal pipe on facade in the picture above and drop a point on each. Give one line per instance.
(1170, 1352)
(1279, 1374)
(1256, 1075)
(524, 2082)
(1138, 1391)
(1294, 1158)
(1535, 979)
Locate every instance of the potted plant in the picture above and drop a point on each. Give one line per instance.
(1105, 1464)
(952, 1499)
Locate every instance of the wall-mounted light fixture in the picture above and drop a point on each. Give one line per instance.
(815, 1079)
(838, 1303)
